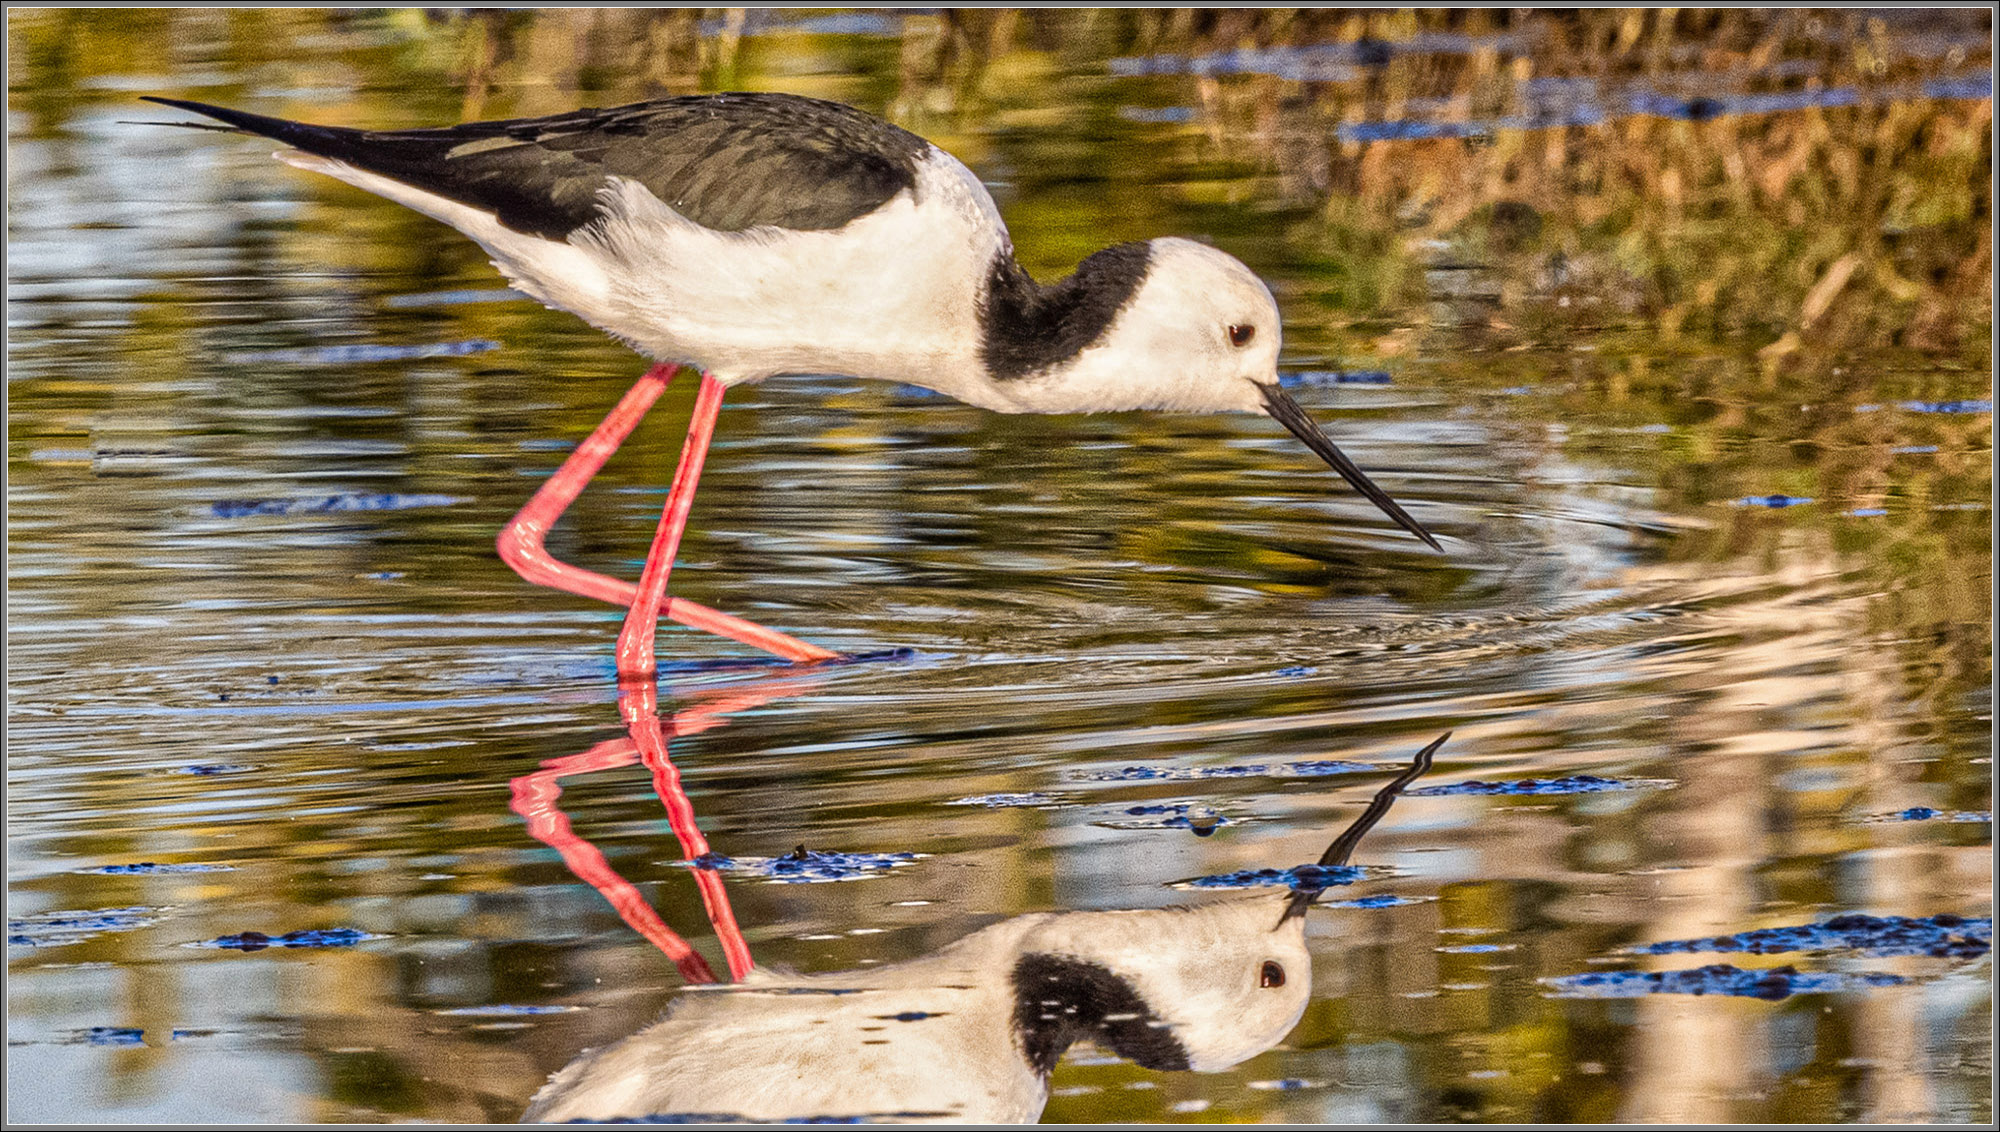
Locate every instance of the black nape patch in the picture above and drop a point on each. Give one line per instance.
(1060, 1000)
(1027, 327)
(725, 161)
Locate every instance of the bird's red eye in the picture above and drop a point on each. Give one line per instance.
(1240, 336)
(1273, 975)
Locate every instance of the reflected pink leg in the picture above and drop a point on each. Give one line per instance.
(650, 735)
(535, 798)
(522, 540)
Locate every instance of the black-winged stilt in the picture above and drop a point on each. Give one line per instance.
(752, 235)
(971, 1032)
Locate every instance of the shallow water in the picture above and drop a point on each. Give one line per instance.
(1716, 511)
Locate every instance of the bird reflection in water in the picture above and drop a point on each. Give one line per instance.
(647, 742)
(969, 1033)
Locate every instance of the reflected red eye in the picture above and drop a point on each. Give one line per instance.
(1273, 975)
(1239, 337)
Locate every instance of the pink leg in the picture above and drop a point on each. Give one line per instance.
(522, 539)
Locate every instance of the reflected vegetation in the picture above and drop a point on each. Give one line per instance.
(1678, 324)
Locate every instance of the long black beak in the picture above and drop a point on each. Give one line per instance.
(1343, 846)
(1287, 412)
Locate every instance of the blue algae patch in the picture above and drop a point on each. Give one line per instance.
(1317, 768)
(1915, 450)
(1571, 784)
(1381, 900)
(1297, 670)
(791, 990)
(1720, 978)
(1475, 948)
(1298, 878)
(1925, 813)
(307, 937)
(331, 504)
(907, 1016)
(1306, 769)
(507, 1010)
(57, 929)
(1868, 512)
(113, 1036)
(147, 868)
(1203, 820)
(350, 355)
(1007, 801)
(1945, 936)
(807, 866)
(1946, 406)
(1287, 1084)
(208, 770)
(1307, 379)
(1775, 501)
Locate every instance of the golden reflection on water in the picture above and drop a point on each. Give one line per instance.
(1602, 338)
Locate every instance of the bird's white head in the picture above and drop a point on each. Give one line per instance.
(1201, 987)
(1196, 331)
(1191, 329)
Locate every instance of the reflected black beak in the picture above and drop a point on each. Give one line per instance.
(1287, 412)
(1343, 846)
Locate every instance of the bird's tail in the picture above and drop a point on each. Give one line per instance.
(330, 141)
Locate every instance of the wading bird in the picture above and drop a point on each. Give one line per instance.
(754, 235)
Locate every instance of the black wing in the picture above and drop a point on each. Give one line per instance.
(724, 161)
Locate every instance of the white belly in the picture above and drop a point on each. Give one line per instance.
(892, 295)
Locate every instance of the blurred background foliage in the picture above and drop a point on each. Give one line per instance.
(1788, 178)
